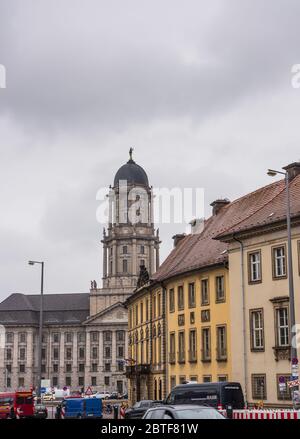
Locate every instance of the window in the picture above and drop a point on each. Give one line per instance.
(9, 337)
(181, 319)
(147, 310)
(81, 367)
(120, 335)
(120, 351)
(94, 381)
(69, 353)
(125, 266)
(282, 326)
(222, 378)
(21, 382)
(55, 337)
(43, 354)
(220, 289)
(142, 263)
(22, 337)
(172, 381)
(95, 352)
(193, 346)
(142, 249)
(120, 366)
(81, 337)
(107, 336)
(55, 381)
(206, 354)
(172, 348)
(257, 329)
(68, 337)
(180, 294)
(284, 393)
(68, 367)
(94, 336)
(192, 298)
(259, 390)
(171, 300)
(8, 368)
(94, 367)
(8, 382)
(192, 318)
(81, 352)
(159, 304)
(22, 354)
(221, 343)
(107, 367)
(55, 353)
(22, 368)
(182, 379)
(81, 381)
(181, 347)
(107, 352)
(154, 307)
(204, 292)
(254, 267)
(205, 315)
(136, 315)
(207, 378)
(55, 368)
(279, 262)
(124, 249)
(68, 381)
(8, 355)
(120, 386)
(106, 381)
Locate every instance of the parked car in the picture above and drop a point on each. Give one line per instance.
(102, 395)
(114, 395)
(40, 411)
(124, 396)
(184, 411)
(82, 408)
(138, 410)
(220, 395)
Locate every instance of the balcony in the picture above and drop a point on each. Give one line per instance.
(172, 358)
(205, 355)
(192, 356)
(282, 352)
(138, 369)
(221, 354)
(181, 357)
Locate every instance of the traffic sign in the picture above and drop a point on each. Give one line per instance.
(294, 383)
(282, 379)
(295, 361)
(89, 391)
(43, 389)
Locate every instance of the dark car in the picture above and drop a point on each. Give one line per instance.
(40, 411)
(138, 410)
(183, 411)
(220, 395)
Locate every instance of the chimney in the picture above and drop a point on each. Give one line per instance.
(177, 238)
(293, 170)
(217, 205)
(197, 225)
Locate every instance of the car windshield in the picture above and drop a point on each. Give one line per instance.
(199, 413)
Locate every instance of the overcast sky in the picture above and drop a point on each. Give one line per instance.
(201, 90)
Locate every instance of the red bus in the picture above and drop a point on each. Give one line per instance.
(21, 402)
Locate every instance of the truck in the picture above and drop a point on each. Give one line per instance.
(77, 408)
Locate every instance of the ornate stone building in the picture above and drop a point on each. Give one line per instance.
(85, 335)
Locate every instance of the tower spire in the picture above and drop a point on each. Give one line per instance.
(130, 154)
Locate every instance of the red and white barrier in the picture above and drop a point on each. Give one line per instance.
(264, 414)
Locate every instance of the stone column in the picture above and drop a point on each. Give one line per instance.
(101, 362)
(114, 258)
(113, 351)
(104, 260)
(152, 207)
(87, 374)
(61, 380)
(110, 199)
(134, 258)
(157, 256)
(151, 258)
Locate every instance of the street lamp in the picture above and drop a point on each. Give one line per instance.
(39, 377)
(294, 356)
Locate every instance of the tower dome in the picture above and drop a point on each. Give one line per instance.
(133, 173)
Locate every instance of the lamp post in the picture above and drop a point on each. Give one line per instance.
(39, 377)
(294, 356)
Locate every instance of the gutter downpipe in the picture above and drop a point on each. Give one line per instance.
(166, 337)
(244, 319)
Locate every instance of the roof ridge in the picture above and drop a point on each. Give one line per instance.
(255, 211)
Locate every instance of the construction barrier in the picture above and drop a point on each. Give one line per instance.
(264, 414)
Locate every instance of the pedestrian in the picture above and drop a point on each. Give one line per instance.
(58, 412)
(12, 412)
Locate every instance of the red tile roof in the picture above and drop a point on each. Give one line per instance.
(261, 207)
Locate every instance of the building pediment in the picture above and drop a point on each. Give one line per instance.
(115, 314)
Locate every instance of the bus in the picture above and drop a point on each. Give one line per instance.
(17, 404)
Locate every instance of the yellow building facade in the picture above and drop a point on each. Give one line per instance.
(198, 327)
